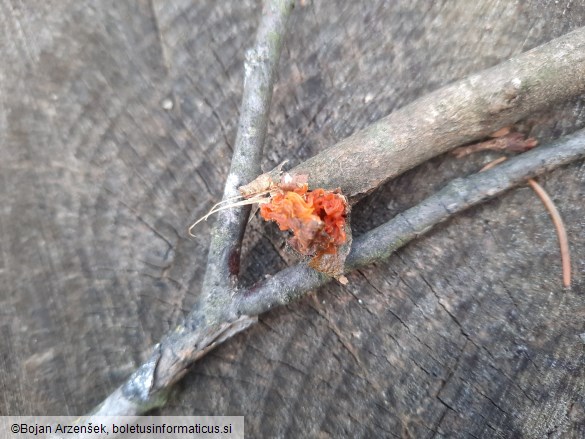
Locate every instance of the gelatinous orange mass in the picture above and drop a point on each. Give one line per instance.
(331, 209)
(316, 218)
(288, 206)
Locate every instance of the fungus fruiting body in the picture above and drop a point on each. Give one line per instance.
(316, 218)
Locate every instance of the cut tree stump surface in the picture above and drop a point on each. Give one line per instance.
(116, 127)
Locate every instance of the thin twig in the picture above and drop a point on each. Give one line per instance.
(204, 327)
(556, 218)
(223, 261)
(559, 226)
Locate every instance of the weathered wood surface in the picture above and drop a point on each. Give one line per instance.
(465, 332)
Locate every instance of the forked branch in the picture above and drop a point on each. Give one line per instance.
(449, 117)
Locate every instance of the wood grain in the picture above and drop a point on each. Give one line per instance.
(465, 332)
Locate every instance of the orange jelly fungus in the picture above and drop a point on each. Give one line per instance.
(316, 218)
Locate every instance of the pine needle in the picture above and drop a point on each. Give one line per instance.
(560, 227)
(556, 218)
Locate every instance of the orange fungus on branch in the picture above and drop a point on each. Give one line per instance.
(331, 208)
(316, 218)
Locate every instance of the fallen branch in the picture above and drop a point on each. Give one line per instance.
(460, 113)
(294, 282)
(146, 388)
(447, 118)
